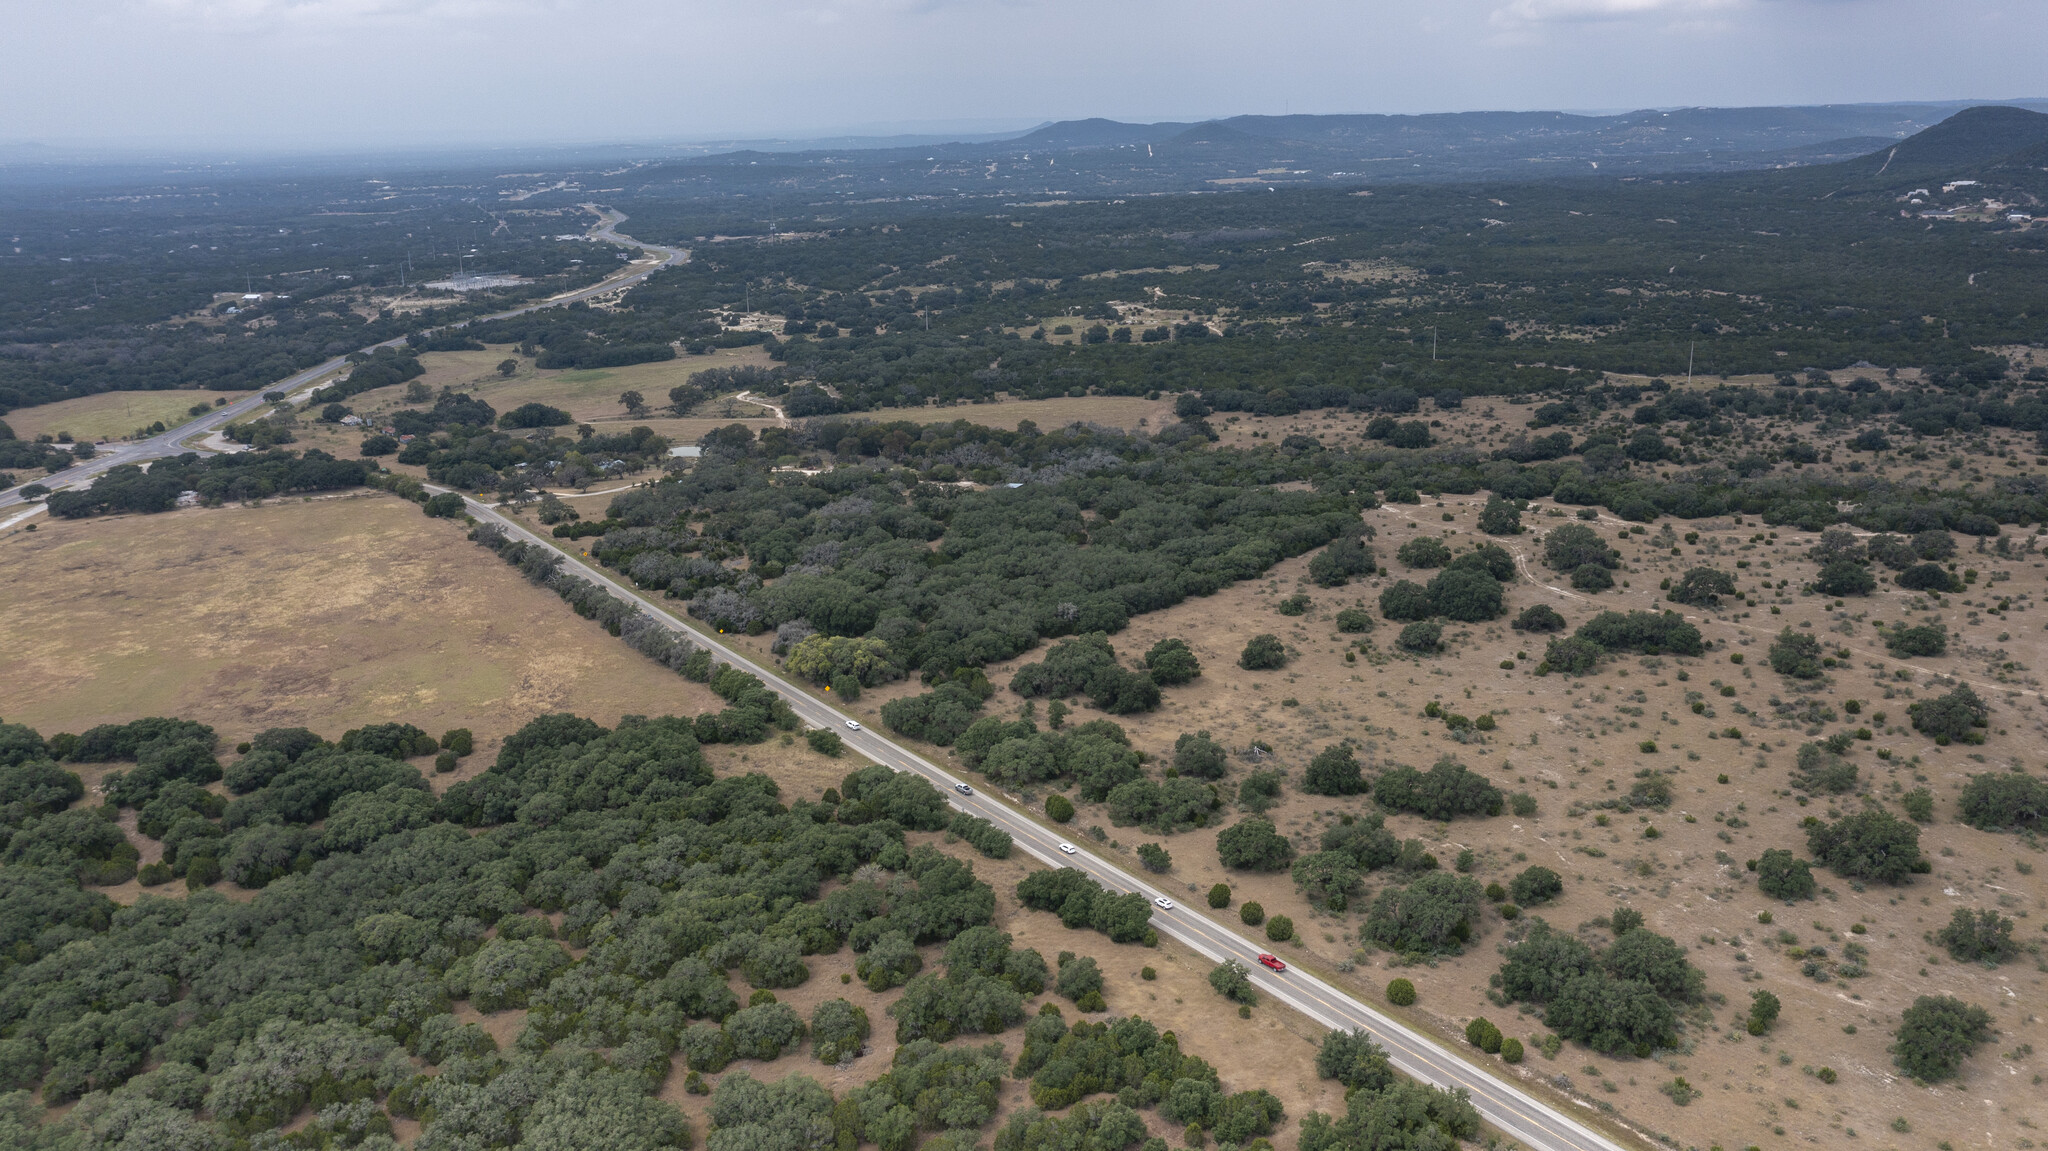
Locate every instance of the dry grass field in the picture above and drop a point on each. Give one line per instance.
(329, 613)
(109, 415)
(588, 395)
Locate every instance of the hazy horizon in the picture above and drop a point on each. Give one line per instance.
(325, 76)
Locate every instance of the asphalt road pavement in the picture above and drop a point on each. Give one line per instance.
(1531, 1121)
(179, 439)
(1534, 1123)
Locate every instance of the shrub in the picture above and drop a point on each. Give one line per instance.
(1919, 640)
(1433, 914)
(1263, 653)
(1425, 637)
(1936, 1034)
(1252, 913)
(1447, 790)
(1280, 929)
(824, 741)
(1929, 577)
(1334, 771)
(1985, 937)
(1573, 655)
(1353, 620)
(1649, 632)
(1539, 618)
(1172, 663)
(535, 415)
(1254, 845)
(1059, 808)
(1510, 1051)
(1405, 600)
(1782, 876)
(1537, 884)
(1702, 587)
(1466, 595)
(1959, 715)
(1500, 517)
(1795, 654)
(1763, 1011)
(1401, 993)
(1154, 857)
(1999, 800)
(1197, 756)
(1481, 1033)
(1335, 565)
(1232, 980)
(1875, 845)
(1592, 577)
(1844, 577)
(1820, 770)
(1919, 805)
(1573, 546)
(1219, 896)
(1424, 552)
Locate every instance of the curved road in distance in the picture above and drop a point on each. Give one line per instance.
(174, 441)
(1536, 1124)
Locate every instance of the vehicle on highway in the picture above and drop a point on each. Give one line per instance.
(963, 789)
(853, 724)
(1273, 961)
(1068, 848)
(1163, 902)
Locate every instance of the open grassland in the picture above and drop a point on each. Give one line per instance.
(109, 415)
(586, 394)
(327, 614)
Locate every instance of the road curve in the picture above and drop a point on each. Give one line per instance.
(176, 440)
(1536, 1124)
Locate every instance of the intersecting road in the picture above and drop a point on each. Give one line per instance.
(180, 439)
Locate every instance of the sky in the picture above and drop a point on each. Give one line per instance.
(313, 75)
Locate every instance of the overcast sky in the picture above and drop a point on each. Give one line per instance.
(321, 74)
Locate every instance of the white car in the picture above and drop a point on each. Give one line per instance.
(853, 724)
(1163, 903)
(1067, 848)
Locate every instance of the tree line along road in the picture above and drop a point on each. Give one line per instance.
(1515, 1112)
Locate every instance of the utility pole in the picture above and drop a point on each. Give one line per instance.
(1688, 362)
(1432, 343)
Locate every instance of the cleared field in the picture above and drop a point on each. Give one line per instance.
(109, 415)
(328, 614)
(588, 395)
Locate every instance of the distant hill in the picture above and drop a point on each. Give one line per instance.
(1966, 140)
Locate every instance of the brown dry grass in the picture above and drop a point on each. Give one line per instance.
(589, 395)
(109, 415)
(329, 614)
(1564, 739)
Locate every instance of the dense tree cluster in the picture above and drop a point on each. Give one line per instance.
(1087, 665)
(2002, 800)
(1081, 902)
(1447, 790)
(1620, 999)
(1874, 844)
(1438, 912)
(1383, 1112)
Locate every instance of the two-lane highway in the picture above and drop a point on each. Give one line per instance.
(1514, 1111)
(180, 438)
